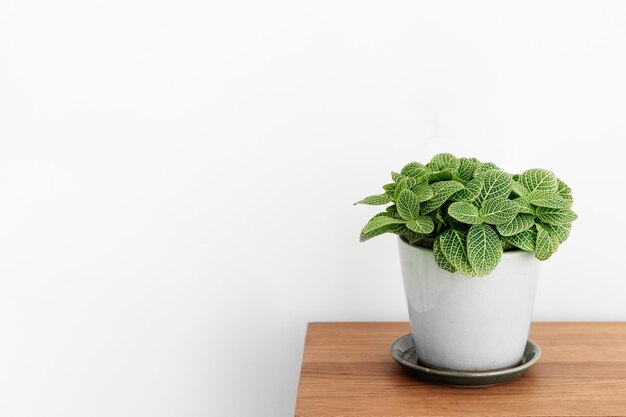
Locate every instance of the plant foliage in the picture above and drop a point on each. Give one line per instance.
(469, 212)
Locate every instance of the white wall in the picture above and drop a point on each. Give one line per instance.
(177, 180)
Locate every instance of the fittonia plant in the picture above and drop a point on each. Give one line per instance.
(469, 212)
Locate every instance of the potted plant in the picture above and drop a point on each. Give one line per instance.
(470, 238)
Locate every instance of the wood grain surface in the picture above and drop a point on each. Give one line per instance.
(347, 371)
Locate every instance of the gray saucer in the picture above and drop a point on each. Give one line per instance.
(403, 351)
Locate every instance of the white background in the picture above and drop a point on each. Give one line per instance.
(177, 180)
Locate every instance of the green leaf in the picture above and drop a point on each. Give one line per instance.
(441, 192)
(564, 191)
(555, 242)
(524, 240)
(466, 169)
(408, 205)
(470, 192)
(443, 162)
(398, 229)
(415, 170)
(519, 189)
(539, 179)
(440, 176)
(543, 246)
(389, 190)
(441, 259)
(375, 200)
(498, 210)
(423, 192)
(496, 184)
(404, 184)
(555, 215)
(377, 225)
(422, 224)
(548, 199)
(464, 212)
(413, 237)
(524, 205)
(519, 223)
(438, 215)
(484, 167)
(484, 249)
(559, 231)
(395, 176)
(453, 245)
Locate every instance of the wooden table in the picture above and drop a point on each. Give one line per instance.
(347, 371)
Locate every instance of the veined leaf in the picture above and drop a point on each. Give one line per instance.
(400, 186)
(410, 182)
(389, 190)
(404, 184)
(414, 169)
(484, 249)
(396, 177)
(524, 240)
(483, 167)
(555, 215)
(398, 229)
(439, 176)
(539, 179)
(422, 224)
(543, 246)
(379, 223)
(441, 192)
(375, 200)
(443, 162)
(380, 220)
(498, 210)
(564, 191)
(548, 199)
(386, 213)
(470, 192)
(520, 222)
(519, 189)
(408, 205)
(466, 168)
(423, 192)
(558, 231)
(412, 237)
(464, 212)
(496, 184)
(453, 245)
(441, 259)
(438, 215)
(555, 242)
(524, 205)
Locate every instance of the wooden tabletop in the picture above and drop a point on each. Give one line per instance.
(347, 371)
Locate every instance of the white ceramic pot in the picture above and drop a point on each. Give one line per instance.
(469, 323)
